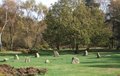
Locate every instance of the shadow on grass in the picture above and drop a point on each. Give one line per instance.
(72, 52)
(106, 66)
(92, 62)
(63, 52)
(11, 54)
(42, 53)
(112, 61)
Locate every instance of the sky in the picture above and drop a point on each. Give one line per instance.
(49, 2)
(45, 2)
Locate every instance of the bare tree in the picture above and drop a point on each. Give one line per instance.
(1, 32)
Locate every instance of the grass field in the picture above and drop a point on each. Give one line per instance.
(107, 65)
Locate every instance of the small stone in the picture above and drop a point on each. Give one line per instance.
(85, 53)
(16, 57)
(37, 55)
(98, 55)
(47, 61)
(56, 54)
(75, 60)
(27, 59)
(5, 59)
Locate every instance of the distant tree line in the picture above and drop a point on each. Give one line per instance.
(67, 23)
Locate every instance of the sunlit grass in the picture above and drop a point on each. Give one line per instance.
(107, 65)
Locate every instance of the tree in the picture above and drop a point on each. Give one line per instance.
(114, 8)
(73, 22)
(58, 20)
(2, 29)
(9, 6)
(12, 14)
(34, 14)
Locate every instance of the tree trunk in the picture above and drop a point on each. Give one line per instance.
(11, 38)
(58, 46)
(76, 47)
(0, 41)
(34, 44)
(112, 44)
(11, 44)
(73, 46)
(36, 38)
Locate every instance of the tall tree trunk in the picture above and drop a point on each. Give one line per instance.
(76, 46)
(0, 41)
(11, 38)
(35, 42)
(11, 43)
(112, 44)
(36, 38)
(12, 31)
(72, 46)
(58, 46)
(27, 31)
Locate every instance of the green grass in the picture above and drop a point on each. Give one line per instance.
(61, 66)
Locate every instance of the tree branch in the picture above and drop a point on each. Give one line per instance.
(5, 22)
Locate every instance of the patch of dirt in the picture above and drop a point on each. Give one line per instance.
(7, 70)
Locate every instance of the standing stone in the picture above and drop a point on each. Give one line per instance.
(37, 55)
(56, 54)
(47, 61)
(16, 57)
(5, 59)
(27, 59)
(75, 60)
(98, 55)
(85, 53)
